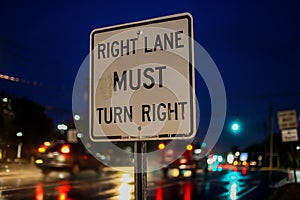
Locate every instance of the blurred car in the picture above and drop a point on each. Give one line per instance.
(64, 156)
(177, 162)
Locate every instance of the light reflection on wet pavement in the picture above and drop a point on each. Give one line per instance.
(27, 182)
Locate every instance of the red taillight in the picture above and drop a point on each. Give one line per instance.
(42, 148)
(189, 147)
(161, 146)
(65, 148)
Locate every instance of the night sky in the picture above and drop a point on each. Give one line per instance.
(255, 45)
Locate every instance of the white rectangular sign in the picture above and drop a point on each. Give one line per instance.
(287, 119)
(142, 80)
(72, 136)
(289, 135)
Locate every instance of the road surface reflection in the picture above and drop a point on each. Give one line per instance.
(29, 183)
(121, 187)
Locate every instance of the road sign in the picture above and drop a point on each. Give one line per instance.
(289, 135)
(72, 136)
(287, 119)
(142, 80)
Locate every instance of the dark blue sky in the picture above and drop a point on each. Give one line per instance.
(255, 45)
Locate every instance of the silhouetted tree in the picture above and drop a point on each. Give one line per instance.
(28, 117)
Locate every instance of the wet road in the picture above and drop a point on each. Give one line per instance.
(26, 182)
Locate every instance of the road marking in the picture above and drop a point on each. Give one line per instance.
(248, 191)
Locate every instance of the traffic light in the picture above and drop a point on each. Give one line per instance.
(235, 126)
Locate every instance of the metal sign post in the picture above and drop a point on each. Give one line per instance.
(293, 161)
(287, 121)
(140, 168)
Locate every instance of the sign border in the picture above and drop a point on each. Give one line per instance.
(170, 136)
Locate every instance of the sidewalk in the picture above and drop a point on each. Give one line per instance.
(290, 190)
(13, 168)
(292, 176)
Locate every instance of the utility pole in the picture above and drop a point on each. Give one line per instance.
(271, 138)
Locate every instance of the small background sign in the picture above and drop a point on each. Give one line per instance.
(289, 135)
(72, 136)
(287, 119)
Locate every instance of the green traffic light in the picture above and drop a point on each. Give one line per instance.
(235, 127)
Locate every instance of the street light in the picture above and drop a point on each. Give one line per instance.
(19, 151)
(19, 134)
(5, 100)
(62, 127)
